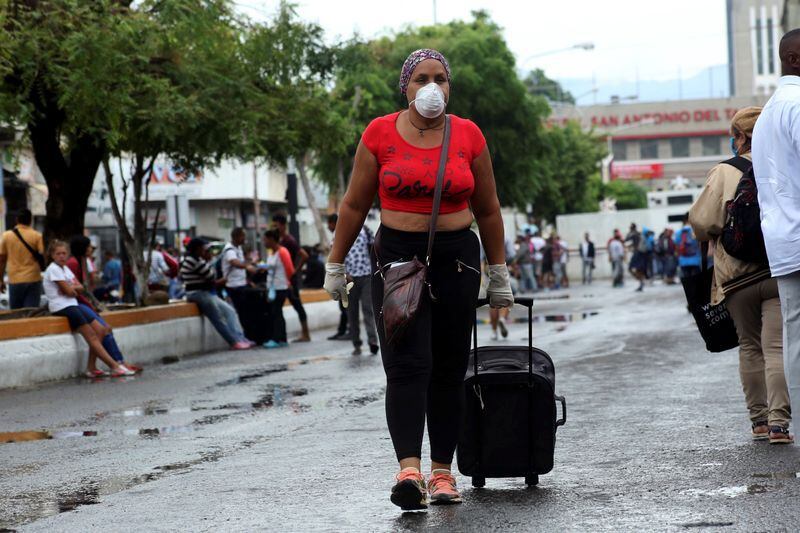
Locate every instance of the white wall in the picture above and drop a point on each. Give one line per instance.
(31, 360)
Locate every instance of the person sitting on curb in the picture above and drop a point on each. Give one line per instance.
(61, 289)
(200, 281)
(79, 247)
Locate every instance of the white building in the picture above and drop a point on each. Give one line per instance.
(219, 199)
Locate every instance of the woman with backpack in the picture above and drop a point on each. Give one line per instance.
(749, 291)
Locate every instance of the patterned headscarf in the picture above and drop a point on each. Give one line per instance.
(415, 59)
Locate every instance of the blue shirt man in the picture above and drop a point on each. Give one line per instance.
(112, 272)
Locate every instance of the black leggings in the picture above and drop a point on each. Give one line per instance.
(425, 369)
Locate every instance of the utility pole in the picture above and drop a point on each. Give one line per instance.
(434, 12)
(257, 213)
(291, 197)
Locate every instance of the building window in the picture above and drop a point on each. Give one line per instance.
(711, 146)
(620, 149)
(680, 146)
(649, 148)
(680, 200)
(770, 47)
(759, 48)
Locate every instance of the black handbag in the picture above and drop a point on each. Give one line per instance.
(714, 321)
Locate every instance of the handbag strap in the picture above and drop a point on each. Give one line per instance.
(437, 194)
(704, 256)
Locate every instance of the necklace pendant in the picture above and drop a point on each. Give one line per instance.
(421, 133)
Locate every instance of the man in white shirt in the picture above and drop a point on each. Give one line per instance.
(776, 164)
(158, 268)
(235, 269)
(537, 245)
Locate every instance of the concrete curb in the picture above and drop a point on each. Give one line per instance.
(31, 360)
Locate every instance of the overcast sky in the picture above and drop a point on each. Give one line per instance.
(652, 38)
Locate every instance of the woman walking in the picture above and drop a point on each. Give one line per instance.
(750, 294)
(397, 159)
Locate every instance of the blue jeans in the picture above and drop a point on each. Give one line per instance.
(527, 277)
(24, 295)
(220, 313)
(109, 342)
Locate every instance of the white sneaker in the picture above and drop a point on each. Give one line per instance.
(494, 335)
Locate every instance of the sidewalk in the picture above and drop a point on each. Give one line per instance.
(43, 349)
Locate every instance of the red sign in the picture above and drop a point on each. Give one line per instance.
(673, 117)
(637, 172)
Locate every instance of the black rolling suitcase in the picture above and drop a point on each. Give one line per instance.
(509, 427)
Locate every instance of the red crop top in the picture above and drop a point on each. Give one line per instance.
(407, 174)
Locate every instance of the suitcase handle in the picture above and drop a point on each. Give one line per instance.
(527, 301)
(504, 362)
(563, 420)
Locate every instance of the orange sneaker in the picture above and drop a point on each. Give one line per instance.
(409, 492)
(442, 488)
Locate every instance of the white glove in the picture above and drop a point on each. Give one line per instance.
(336, 282)
(499, 289)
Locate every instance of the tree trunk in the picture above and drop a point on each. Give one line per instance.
(312, 205)
(69, 177)
(136, 242)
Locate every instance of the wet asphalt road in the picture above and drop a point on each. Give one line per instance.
(295, 440)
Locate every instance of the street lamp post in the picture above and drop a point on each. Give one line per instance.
(579, 46)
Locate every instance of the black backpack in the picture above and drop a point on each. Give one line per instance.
(742, 237)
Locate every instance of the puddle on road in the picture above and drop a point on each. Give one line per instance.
(87, 496)
(778, 475)
(91, 492)
(283, 367)
(706, 524)
(359, 401)
(557, 317)
(729, 492)
(244, 378)
(274, 396)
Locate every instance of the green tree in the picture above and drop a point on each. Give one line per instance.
(628, 195)
(59, 83)
(289, 64)
(568, 167)
(548, 167)
(538, 84)
(485, 88)
(181, 79)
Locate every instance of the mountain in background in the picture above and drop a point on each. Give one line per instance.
(709, 83)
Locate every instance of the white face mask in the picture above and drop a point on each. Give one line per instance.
(429, 101)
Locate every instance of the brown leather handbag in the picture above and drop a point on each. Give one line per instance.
(404, 283)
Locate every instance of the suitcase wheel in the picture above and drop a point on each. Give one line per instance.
(478, 482)
(531, 480)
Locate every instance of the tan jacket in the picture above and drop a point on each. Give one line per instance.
(707, 217)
